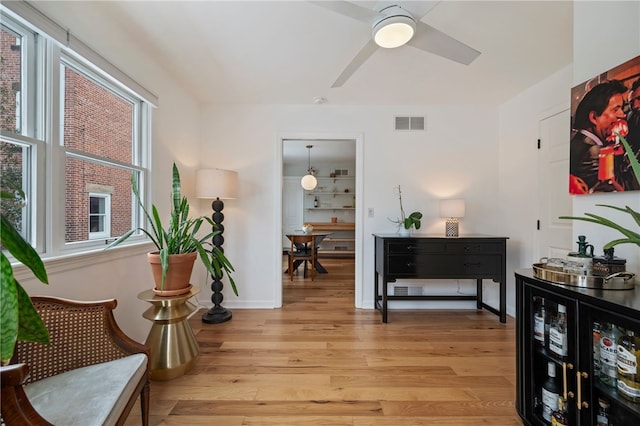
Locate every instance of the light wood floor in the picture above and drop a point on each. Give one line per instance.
(320, 361)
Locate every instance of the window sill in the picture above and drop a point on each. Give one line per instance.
(59, 264)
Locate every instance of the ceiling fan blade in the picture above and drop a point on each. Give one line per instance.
(435, 41)
(355, 63)
(349, 9)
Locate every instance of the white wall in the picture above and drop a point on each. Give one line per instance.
(455, 156)
(606, 34)
(518, 168)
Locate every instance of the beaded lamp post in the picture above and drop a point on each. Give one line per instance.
(217, 184)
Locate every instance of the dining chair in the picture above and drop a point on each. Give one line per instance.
(303, 248)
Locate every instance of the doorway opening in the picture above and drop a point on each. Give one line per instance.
(331, 208)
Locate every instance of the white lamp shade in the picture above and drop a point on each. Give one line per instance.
(452, 208)
(216, 183)
(308, 182)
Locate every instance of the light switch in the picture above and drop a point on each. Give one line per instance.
(371, 212)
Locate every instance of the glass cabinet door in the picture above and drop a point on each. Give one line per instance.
(612, 361)
(551, 347)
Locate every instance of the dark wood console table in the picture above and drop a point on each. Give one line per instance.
(425, 256)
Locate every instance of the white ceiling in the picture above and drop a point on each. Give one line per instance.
(288, 52)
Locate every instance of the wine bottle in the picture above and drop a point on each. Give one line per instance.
(560, 417)
(558, 334)
(628, 351)
(597, 329)
(602, 419)
(539, 323)
(315, 201)
(608, 355)
(550, 392)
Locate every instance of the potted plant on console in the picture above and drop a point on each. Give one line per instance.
(406, 223)
(178, 244)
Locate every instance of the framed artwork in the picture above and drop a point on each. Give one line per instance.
(602, 108)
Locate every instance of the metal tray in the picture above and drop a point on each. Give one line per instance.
(617, 281)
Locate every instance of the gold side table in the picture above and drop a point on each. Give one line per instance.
(173, 345)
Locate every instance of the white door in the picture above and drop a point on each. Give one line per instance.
(292, 207)
(553, 184)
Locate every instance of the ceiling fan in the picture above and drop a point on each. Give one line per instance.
(401, 22)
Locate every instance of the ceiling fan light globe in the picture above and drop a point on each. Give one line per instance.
(309, 182)
(393, 31)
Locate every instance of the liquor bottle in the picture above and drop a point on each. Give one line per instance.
(608, 355)
(560, 417)
(597, 329)
(539, 323)
(315, 201)
(558, 334)
(628, 349)
(550, 392)
(602, 419)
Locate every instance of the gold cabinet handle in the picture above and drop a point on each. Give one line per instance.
(565, 367)
(579, 403)
(564, 380)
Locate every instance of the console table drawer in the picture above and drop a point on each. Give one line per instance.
(411, 246)
(475, 247)
(442, 266)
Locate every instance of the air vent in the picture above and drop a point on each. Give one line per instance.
(400, 291)
(404, 290)
(410, 123)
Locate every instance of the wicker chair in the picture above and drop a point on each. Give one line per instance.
(85, 340)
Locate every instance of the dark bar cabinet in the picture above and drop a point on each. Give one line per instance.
(581, 356)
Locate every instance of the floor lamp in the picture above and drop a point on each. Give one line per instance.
(217, 184)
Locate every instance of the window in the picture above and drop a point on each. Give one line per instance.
(74, 151)
(17, 145)
(99, 216)
(99, 141)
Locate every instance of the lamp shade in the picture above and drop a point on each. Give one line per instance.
(216, 183)
(452, 208)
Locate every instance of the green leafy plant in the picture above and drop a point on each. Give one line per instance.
(181, 234)
(407, 221)
(18, 318)
(630, 236)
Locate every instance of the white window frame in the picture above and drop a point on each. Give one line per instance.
(106, 217)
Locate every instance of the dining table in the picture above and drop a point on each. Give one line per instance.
(318, 236)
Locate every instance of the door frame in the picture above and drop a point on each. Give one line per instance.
(538, 249)
(358, 138)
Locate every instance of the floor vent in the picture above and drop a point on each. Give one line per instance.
(410, 123)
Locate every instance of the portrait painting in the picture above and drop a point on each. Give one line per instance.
(605, 109)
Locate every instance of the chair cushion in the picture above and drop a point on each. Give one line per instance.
(93, 395)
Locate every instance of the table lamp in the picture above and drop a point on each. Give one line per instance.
(217, 184)
(452, 210)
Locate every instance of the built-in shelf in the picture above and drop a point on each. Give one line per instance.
(331, 193)
(330, 208)
(341, 242)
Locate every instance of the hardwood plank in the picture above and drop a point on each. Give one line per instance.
(320, 361)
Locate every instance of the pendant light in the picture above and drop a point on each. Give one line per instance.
(309, 181)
